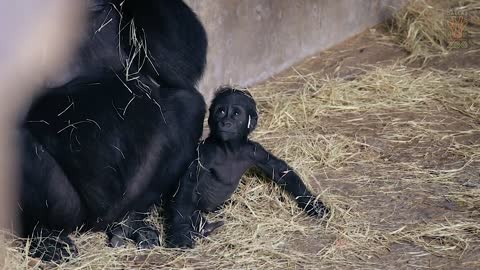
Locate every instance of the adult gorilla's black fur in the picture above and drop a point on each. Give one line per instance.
(101, 147)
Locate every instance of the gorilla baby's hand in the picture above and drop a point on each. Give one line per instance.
(313, 207)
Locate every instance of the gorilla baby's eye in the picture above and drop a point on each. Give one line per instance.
(236, 113)
(221, 111)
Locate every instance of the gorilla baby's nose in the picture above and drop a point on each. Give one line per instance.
(226, 124)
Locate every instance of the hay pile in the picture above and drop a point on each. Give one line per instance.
(394, 152)
(426, 29)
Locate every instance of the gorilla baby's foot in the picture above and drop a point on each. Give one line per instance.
(143, 235)
(52, 246)
(209, 228)
(180, 241)
(202, 227)
(186, 238)
(146, 237)
(180, 236)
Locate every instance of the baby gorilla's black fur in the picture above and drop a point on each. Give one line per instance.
(222, 160)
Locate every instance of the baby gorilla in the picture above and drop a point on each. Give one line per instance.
(222, 160)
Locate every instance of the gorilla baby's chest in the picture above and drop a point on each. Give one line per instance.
(219, 179)
(227, 168)
(229, 171)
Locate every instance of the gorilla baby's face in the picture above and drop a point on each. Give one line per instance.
(231, 117)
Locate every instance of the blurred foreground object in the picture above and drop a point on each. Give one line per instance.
(36, 38)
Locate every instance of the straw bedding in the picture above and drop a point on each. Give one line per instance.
(394, 151)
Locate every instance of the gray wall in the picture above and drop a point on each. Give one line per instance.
(251, 40)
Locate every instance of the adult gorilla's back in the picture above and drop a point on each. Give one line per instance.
(148, 40)
(179, 44)
(103, 147)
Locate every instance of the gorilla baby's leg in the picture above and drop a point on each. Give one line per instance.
(135, 228)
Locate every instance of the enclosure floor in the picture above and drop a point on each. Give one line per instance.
(388, 193)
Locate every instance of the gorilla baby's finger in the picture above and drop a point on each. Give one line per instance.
(318, 210)
(314, 208)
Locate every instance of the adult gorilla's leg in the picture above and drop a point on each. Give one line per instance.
(183, 112)
(50, 207)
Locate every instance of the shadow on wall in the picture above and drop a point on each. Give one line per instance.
(249, 41)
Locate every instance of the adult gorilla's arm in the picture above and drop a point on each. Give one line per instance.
(282, 174)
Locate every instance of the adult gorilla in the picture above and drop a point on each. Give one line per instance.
(112, 135)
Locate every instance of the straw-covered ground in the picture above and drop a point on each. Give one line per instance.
(385, 128)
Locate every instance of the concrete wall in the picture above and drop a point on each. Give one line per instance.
(251, 40)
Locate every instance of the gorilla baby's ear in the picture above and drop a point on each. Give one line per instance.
(252, 122)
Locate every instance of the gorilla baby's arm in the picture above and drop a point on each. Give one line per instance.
(282, 174)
